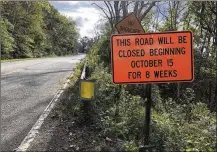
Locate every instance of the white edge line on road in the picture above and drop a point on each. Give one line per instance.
(25, 144)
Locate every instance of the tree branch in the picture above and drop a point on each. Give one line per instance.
(111, 8)
(108, 9)
(146, 12)
(135, 9)
(125, 10)
(116, 4)
(110, 19)
(142, 5)
(212, 7)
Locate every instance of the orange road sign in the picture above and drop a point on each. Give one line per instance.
(130, 24)
(152, 57)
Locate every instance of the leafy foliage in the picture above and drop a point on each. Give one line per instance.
(7, 41)
(35, 29)
(183, 124)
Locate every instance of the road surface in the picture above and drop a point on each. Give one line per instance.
(27, 87)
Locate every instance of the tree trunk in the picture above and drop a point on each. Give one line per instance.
(216, 73)
(178, 90)
(215, 46)
(125, 8)
(117, 12)
(135, 10)
(210, 92)
(147, 10)
(201, 53)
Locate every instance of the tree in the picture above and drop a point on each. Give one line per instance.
(115, 11)
(7, 41)
(86, 44)
(207, 18)
(35, 29)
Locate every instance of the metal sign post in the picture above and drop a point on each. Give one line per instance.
(147, 120)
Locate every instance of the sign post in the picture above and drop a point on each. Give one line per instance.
(147, 119)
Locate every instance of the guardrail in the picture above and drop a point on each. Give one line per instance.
(83, 74)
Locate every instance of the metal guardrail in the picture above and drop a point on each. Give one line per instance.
(83, 74)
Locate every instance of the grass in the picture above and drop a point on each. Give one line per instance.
(23, 59)
(13, 60)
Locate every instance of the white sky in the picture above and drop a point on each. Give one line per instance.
(84, 13)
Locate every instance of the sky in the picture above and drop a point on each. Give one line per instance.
(85, 14)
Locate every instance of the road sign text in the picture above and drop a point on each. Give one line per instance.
(152, 57)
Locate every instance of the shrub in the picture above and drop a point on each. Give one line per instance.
(176, 125)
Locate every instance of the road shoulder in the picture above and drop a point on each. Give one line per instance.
(63, 129)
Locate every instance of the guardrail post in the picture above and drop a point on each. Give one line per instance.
(86, 105)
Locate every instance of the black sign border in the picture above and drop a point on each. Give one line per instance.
(146, 82)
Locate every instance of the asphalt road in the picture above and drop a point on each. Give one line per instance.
(27, 87)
